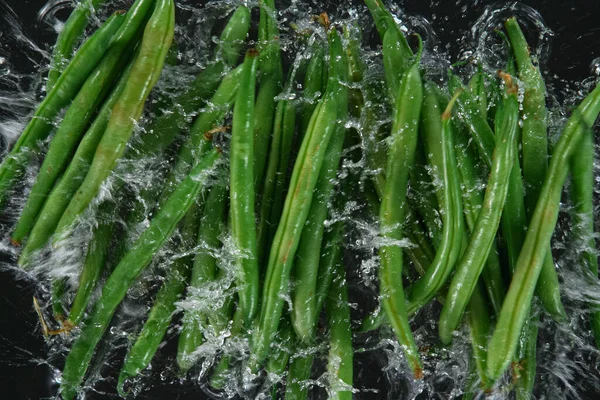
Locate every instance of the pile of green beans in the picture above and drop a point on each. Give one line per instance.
(247, 224)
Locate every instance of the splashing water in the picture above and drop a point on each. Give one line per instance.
(568, 362)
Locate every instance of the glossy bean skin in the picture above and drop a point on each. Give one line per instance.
(316, 73)
(67, 87)
(306, 264)
(400, 158)
(271, 203)
(95, 261)
(478, 318)
(242, 192)
(68, 135)
(270, 80)
(534, 146)
(146, 70)
(280, 355)
(472, 203)
(116, 287)
(438, 136)
(204, 270)
(520, 293)
(483, 235)
(299, 372)
(341, 353)
(582, 195)
(168, 125)
(295, 212)
(144, 348)
(66, 187)
(197, 142)
(67, 37)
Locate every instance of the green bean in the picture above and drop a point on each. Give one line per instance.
(295, 212)
(439, 139)
(582, 195)
(204, 271)
(479, 325)
(68, 85)
(472, 263)
(159, 318)
(470, 110)
(396, 59)
(69, 133)
(196, 143)
(67, 37)
(66, 187)
(477, 87)
(299, 374)
(535, 155)
(339, 365)
(402, 146)
(270, 77)
(169, 125)
(306, 264)
(280, 356)
(116, 287)
(527, 359)
(241, 192)
(157, 38)
(331, 253)
(277, 165)
(472, 203)
(313, 86)
(518, 300)
(95, 260)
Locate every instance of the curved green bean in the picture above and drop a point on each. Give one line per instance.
(66, 187)
(67, 37)
(116, 287)
(515, 309)
(400, 158)
(535, 155)
(157, 38)
(68, 85)
(69, 133)
(439, 139)
(483, 235)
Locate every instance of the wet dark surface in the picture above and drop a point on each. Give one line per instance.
(576, 42)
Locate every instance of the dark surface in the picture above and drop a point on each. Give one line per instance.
(575, 23)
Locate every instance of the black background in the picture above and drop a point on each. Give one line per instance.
(575, 23)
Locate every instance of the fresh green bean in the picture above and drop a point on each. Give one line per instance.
(299, 373)
(439, 140)
(69, 133)
(295, 212)
(280, 356)
(157, 38)
(484, 233)
(535, 155)
(582, 195)
(270, 81)
(527, 359)
(306, 264)
(316, 71)
(95, 261)
(159, 318)
(67, 37)
(339, 365)
(68, 85)
(400, 158)
(472, 203)
(204, 270)
(520, 293)
(276, 173)
(169, 125)
(116, 287)
(196, 143)
(242, 193)
(479, 325)
(66, 187)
